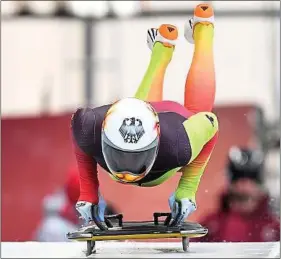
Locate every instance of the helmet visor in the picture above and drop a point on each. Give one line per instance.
(132, 165)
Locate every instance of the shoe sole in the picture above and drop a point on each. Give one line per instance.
(168, 32)
(204, 11)
(204, 14)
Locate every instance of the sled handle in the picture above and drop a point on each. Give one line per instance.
(115, 216)
(157, 215)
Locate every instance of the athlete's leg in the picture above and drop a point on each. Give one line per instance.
(151, 87)
(202, 131)
(200, 82)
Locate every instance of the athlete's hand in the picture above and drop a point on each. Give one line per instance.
(92, 212)
(180, 209)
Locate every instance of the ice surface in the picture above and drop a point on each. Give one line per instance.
(140, 250)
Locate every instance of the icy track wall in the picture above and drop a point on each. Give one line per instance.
(141, 250)
(45, 158)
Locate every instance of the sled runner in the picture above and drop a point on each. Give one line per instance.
(116, 229)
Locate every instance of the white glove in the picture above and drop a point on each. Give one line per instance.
(180, 209)
(89, 210)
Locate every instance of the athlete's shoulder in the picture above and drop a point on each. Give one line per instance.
(82, 125)
(81, 115)
(86, 123)
(88, 115)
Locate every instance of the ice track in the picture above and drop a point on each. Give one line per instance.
(140, 250)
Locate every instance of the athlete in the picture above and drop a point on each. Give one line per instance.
(144, 140)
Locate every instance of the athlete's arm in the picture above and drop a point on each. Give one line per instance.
(89, 183)
(202, 130)
(87, 166)
(151, 87)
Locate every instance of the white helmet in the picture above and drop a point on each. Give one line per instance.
(130, 139)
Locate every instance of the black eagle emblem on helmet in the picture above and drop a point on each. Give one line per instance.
(131, 130)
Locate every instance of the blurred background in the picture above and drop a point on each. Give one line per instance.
(59, 55)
